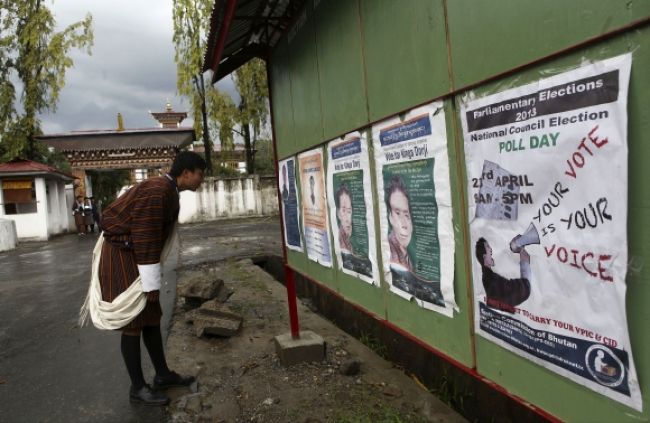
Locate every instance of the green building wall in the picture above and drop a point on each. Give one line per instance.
(348, 63)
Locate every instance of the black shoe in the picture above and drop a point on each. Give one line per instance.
(147, 396)
(171, 380)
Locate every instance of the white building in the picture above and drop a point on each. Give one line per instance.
(33, 195)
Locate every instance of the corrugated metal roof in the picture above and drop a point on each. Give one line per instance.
(120, 140)
(254, 29)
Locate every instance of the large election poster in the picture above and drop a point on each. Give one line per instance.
(314, 206)
(547, 174)
(350, 204)
(290, 210)
(417, 237)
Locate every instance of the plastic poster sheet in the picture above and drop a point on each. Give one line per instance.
(547, 187)
(314, 206)
(417, 237)
(351, 209)
(290, 210)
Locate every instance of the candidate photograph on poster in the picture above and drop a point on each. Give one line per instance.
(350, 203)
(289, 205)
(547, 187)
(415, 208)
(314, 206)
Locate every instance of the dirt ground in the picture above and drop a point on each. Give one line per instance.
(240, 378)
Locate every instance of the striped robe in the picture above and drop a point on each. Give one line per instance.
(136, 226)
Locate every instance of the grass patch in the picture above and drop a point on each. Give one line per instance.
(452, 394)
(371, 341)
(378, 414)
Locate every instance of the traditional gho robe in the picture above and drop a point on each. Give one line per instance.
(136, 226)
(78, 213)
(88, 213)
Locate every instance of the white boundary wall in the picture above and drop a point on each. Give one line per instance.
(230, 197)
(8, 235)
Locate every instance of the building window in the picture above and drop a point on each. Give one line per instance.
(19, 196)
(140, 175)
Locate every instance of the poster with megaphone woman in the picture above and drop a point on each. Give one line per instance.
(547, 187)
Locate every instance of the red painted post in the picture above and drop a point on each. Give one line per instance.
(291, 298)
(288, 271)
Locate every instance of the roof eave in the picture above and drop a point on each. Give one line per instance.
(56, 175)
(213, 57)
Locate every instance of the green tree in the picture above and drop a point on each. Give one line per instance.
(250, 80)
(107, 184)
(191, 25)
(33, 58)
(223, 115)
(264, 160)
(215, 112)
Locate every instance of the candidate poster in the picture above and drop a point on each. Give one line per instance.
(290, 210)
(547, 187)
(350, 205)
(314, 206)
(417, 238)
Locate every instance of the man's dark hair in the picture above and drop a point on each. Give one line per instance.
(480, 250)
(186, 160)
(396, 184)
(343, 189)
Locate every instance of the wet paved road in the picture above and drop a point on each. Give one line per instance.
(218, 240)
(50, 370)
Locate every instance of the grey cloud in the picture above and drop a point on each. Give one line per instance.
(131, 69)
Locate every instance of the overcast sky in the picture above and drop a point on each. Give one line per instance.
(131, 69)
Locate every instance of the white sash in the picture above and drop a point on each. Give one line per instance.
(126, 306)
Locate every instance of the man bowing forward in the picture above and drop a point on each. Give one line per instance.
(136, 227)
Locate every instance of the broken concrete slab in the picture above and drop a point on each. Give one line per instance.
(209, 321)
(198, 287)
(308, 347)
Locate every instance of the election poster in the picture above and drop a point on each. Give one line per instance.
(290, 210)
(314, 206)
(417, 237)
(547, 187)
(350, 205)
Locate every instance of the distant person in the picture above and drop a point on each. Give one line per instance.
(502, 293)
(78, 213)
(399, 216)
(96, 217)
(312, 182)
(343, 202)
(136, 227)
(89, 221)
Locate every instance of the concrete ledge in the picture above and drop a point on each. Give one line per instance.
(8, 235)
(309, 347)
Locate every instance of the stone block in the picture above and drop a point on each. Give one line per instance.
(198, 287)
(308, 348)
(209, 321)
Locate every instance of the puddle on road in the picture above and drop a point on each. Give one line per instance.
(46, 253)
(194, 249)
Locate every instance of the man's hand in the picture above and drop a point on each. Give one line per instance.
(152, 296)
